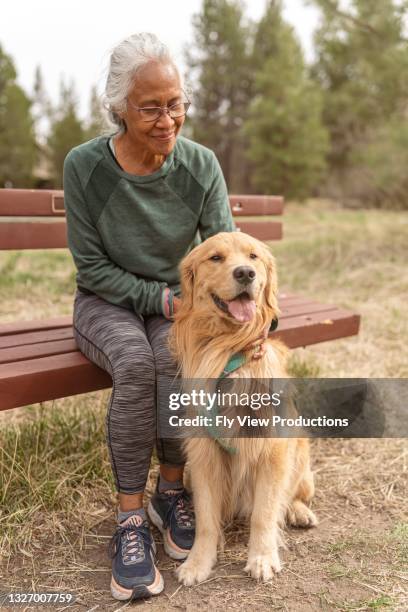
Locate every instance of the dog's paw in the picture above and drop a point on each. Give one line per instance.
(263, 566)
(299, 515)
(193, 571)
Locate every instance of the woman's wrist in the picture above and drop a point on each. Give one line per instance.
(168, 303)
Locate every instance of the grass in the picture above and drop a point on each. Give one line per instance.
(50, 462)
(35, 284)
(63, 452)
(56, 489)
(356, 259)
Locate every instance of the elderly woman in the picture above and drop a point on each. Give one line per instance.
(135, 202)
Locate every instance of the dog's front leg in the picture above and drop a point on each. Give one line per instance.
(207, 483)
(267, 515)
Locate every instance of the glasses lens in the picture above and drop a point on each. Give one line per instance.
(178, 110)
(150, 114)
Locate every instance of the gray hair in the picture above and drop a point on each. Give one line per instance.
(125, 60)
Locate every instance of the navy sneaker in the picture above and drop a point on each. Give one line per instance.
(172, 513)
(132, 549)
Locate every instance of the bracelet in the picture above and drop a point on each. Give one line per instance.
(168, 303)
(170, 299)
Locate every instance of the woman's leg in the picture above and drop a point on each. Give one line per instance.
(170, 506)
(169, 450)
(115, 339)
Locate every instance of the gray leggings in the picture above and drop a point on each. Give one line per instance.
(133, 350)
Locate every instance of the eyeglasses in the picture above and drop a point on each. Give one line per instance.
(153, 113)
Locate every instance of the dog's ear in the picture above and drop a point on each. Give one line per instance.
(271, 287)
(187, 280)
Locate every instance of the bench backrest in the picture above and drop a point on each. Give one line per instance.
(35, 218)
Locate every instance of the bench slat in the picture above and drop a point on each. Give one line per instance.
(52, 234)
(32, 235)
(25, 339)
(305, 330)
(290, 305)
(302, 308)
(18, 327)
(256, 205)
(263, 230)
(50, 202)
(39, 380)
(40, 349)
(31, 202)
(33, 341)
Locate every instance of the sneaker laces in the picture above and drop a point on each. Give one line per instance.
(181, 508)
(130, 538)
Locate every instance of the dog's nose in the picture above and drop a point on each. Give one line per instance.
(244, 274)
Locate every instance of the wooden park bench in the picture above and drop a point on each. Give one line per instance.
(39, 360)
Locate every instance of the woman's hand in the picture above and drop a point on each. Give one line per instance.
(171, 304)
(176, 304)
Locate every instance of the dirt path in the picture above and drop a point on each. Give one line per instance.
(354, 559)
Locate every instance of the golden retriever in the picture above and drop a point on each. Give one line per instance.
(229, 296)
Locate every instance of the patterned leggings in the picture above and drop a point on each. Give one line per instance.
(133, 350)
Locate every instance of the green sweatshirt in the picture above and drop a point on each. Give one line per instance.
(127, 233)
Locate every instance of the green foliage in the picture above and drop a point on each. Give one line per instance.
(287, 142)
(17, 143)
(32, 130)
(96, 124)
(66, 131)
(254, 102)
(220, 68)
(379, 167)
(7, 71)
(362, 63)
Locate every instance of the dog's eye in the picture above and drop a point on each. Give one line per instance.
(253, 256)
(216, 258)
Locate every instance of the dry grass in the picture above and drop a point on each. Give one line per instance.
(357, 259)
(56, 489)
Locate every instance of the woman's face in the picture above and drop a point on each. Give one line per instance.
(156, 84)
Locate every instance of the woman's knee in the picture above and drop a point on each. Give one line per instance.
(158, 333)
(134, 363)
(131, 413)
(114, 338)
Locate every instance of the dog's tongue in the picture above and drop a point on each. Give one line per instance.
(242, 308)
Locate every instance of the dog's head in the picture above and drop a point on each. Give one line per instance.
(230, 276)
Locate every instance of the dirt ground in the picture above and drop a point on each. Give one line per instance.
(353, 560)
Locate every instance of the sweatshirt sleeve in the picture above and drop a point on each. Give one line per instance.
(216, 216)
(96, 271)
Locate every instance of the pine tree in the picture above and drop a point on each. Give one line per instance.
(42, 109)
(287, 141)
(66, 130)
(220, 70)
(378, 168)
(362, 65)
(96, 123)
(17, 142)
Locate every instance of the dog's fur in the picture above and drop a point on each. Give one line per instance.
(267, 479)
